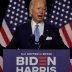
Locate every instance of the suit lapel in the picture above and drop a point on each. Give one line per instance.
(46, 30)
(29, 28)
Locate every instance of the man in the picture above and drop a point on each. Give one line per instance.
(36, 34)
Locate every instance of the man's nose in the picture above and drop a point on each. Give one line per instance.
(41, 11)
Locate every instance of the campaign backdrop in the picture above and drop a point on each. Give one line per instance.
(36, 60)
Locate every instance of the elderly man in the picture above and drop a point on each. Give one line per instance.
(36, 34)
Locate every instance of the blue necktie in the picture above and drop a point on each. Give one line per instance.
(37, 33)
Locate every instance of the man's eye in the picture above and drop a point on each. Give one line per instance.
(44, 9)
(38, 8)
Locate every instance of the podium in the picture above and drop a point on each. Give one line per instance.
(36, 60)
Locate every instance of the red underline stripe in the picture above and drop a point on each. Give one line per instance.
(42, 57)
(40, 61)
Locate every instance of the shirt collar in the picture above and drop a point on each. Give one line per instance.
(41, 26)
(33, 23)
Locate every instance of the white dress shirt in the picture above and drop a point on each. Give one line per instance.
(41, 27)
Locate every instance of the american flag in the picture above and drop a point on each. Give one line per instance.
(61, 17)
(16, 15)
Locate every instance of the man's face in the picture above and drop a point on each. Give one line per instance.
(38, 11)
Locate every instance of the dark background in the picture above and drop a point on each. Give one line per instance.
(4, 4)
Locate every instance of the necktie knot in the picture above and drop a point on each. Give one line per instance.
(37, 33)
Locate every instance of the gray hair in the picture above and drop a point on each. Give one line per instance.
(31, 6)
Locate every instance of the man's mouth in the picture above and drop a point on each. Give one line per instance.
(40, 16)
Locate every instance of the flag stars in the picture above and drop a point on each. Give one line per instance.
(51, 21)
(56, 1)
(66, 17)
(57, 13)
(18, 9)
(58, 8)
(22, 6)
(71, 13)
(17, 14)
(59, 3)
(65, 0)
(55, 23)
(65, 21)
(16, 19)
(14, 28)
(13, 12)
(68, 7)
(56, 18)
(12, 17)
(24, 22)
(45, 13)
(53, 11)
(61, 19)
(52, 16)
(64, 5)
(8, 10)
(62, 10)
(60, 25)
(9, 5)
(14, 7)
(61, 15)
(18, 5)
(11, 1)
(23, 2)
(20, 21)
(15, 24)
(45, 18)
(21, 16)
(11, 22)
(70, 18)
(25, 18)
(15, 3)
(67, 12)
(68, 2)
(55, 6)
(22, 11)
(7, 15)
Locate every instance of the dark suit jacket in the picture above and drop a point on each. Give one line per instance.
(24, 39)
